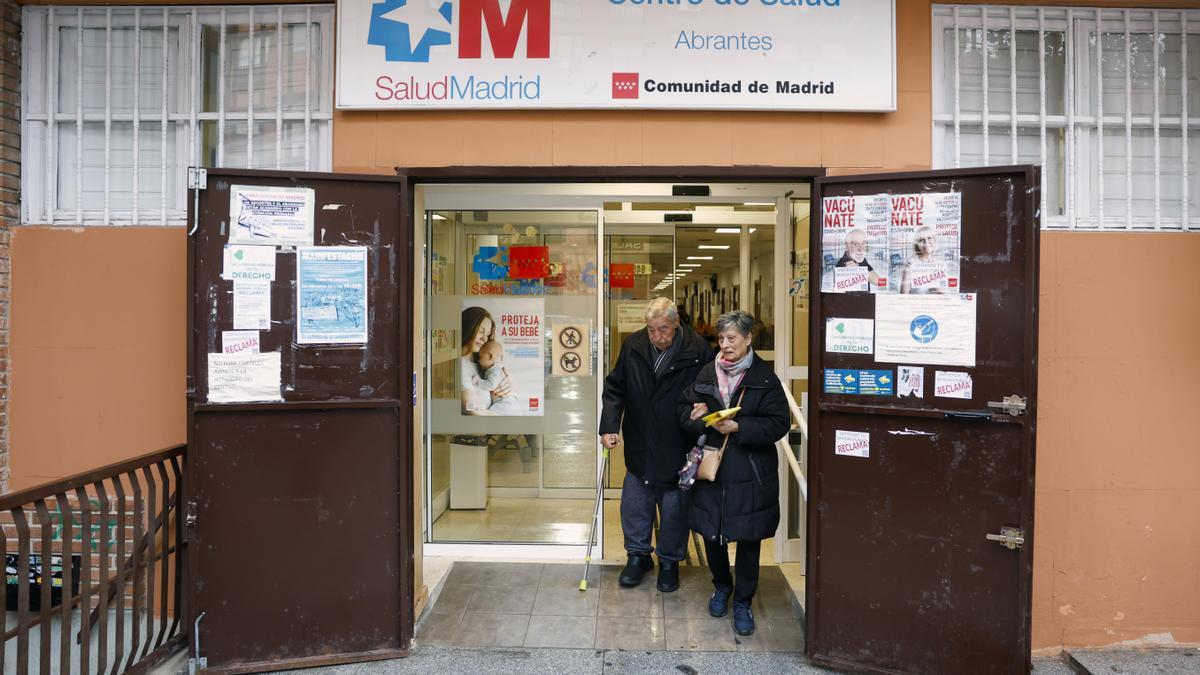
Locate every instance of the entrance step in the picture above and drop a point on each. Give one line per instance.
(1141, 661)
(534, 605)
(519, 661)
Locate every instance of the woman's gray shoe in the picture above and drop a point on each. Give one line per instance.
(635, 569)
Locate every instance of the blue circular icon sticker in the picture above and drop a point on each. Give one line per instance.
(923, 329)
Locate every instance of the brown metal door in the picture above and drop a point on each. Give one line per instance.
(301, 540)
(903, 576)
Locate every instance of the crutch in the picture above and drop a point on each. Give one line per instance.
(587, 559)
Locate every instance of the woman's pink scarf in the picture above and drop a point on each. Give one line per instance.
(730, 373)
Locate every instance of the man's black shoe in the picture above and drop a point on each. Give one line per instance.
(635, 569)
(668, 575)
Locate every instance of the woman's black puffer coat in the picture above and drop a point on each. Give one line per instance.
(742, 504)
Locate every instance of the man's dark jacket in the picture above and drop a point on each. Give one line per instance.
(655, 446)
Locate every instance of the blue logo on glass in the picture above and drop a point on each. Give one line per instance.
(396, 37)
(923, 329)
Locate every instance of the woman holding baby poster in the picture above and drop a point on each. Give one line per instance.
(501, 357)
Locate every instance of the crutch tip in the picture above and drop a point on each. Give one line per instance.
(583, 585)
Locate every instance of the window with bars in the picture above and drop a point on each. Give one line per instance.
(1106, 100)
(119, 101)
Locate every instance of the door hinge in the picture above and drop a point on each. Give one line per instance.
(189, 519)
(1011, 405)
(1011, 538)
(197, 178)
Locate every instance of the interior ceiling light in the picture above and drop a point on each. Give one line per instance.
(715, 247)
(438, 216)
(759, 203)
(689, 264)
(700, 257)
(733, 230)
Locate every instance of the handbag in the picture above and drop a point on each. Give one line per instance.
(710, 461)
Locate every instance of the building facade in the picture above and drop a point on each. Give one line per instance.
(102, 109)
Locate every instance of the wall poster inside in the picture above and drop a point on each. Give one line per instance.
(504, 374)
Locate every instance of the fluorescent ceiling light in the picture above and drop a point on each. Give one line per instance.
(689, 264)
(715, 247)
(700, 257)
(733, 230)
(759, 203)
(438, 216)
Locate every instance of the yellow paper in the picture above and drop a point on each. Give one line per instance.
(719, 415)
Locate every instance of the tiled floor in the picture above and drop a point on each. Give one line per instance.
(540, 605)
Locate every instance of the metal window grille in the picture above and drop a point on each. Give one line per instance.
(1104, 99)
(117, 102)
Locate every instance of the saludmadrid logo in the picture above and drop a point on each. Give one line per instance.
(394, 28)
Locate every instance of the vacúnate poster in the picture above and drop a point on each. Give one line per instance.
(926, 236)
(902, 243)
(854, 244)
(502, 357)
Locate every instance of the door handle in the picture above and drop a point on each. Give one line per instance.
(968, 416)
(1011, 538)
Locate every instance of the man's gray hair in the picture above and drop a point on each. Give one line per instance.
(740, 320)
(662, 307)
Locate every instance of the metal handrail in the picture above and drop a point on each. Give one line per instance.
(786, 448)
(98, 562)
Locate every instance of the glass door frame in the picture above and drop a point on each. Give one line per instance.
(467, 198)
(573, 195)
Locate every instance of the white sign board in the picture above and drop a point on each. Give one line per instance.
(925, 329)
(687, 54)
(249, 263)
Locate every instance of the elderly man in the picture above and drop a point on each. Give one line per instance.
(654, 366)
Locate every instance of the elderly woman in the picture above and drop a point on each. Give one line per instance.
(742, 503)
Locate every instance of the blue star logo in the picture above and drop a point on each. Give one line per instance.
(396, 37)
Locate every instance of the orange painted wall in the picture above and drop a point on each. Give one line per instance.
(98, 349)
(98, 334)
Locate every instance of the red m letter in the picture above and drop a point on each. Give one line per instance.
(503, 32)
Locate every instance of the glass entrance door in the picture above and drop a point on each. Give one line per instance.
(512, 318)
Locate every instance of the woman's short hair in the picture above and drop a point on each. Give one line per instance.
(740, 320)
(661, 307)
(924, 230)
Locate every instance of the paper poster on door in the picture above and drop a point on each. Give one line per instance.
(240, 378)
(502, 367)
(910, 382)
(948, 384)
(849, 336)
(854, 235)
(249, 263)
(925, 242)
(331, 294)
(875, 382)
(852, 443)
(276, 216)
(251, 305)
(926, 329)
(841, 381)
(240, 342)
